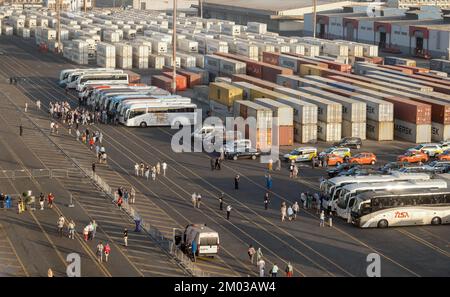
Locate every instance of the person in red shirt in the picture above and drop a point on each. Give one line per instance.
(106, 251)
(50, 199)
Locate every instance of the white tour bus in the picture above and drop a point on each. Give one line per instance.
(403, 208)
(112, 103)
(65, 73)
(88, 90)
(73, 77)
(132, 99)
(160, 112)
(104, 77)
(101, 96)
(346, 198)
(331, 187)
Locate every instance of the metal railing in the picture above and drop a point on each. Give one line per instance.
(38, 173)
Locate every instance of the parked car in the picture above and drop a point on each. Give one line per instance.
(339, 151)
(413, 157)
(352, 171)
(445, 156)
(246, 152)
(445, 145)
(334, 160)
(353, 142)
(439, 166)
(342, 167)
(416, 169)
(301, 154)
(364, 159)
(388, 167)
(431, 149)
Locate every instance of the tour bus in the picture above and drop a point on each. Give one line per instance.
(404, 208)
(160, 112)
(104, 77)
(99, 97)
(94, 98)
(65, 73)
(111, 103)
(131, 99)
(89, 88)
(346, 199)
(73, 77)
(331, 186)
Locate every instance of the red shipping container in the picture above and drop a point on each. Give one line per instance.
(410, 111)
(192, 79)
(180, 80)
(256, 81)
(270, 72)
(271, 58)
(397, 68)
(415, 69)
(286, 135)
(306, 60)
(133, 77)
(162, 82)
(253, 67)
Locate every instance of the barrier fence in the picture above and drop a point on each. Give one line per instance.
(39, 173)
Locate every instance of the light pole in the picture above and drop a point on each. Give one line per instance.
(201, 8)
(58, 28)
(314, 18)
(174, 46)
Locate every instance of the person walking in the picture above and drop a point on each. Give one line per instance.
(295, 171)
(90, 231)
(221, 201)
(322, 219)
(100, 249)
(120, 202)
(141, 169)
(236, 182)
(71, 228)
(283, 210)
(49, 272)
(94, 228)
(93, 168)
(153, 174)
(269, 181)
(125, 237)
(194, 250)
(164, 168)
(132, 195)
(199, 200)
(77, 133)
(26, 106)
(20, 130)
(38, 104)
(270, 165)
(259, 255)
(289, 270)
(41, 200)
(274, 270)
(194, 199)
(212, 163)
(228, 211)
(50, 199)
(136, 169)
(291, 170)
(147, 173)
(290, 213)
(251, 253)
(278, 168)
(61, 221)
(158, 168)
(86, 233)
(106, 251)
(295, 209)
(266, 201)
(262, 267)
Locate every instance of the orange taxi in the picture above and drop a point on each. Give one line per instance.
(363, 159)
(334, 160)
(445, 156)
(413, 157)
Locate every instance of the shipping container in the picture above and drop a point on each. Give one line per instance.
(354, 129)
(380, 131)
(306, 69)
(229, 67)
(440, 132)
(253, 80)
(155, 61)
(329, 132)
(162, 82)
(204, 75)
(187, 45)
(192, 78)
(181, 81)
(245, 87)
(133, 77)
(285, 136)
(416, 133)
(224, 93)
(258, 28)
(283, 112)
(305, 133)
(398, 82)
(271, 58)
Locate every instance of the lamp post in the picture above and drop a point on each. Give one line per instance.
(314, 17)
(174, 47)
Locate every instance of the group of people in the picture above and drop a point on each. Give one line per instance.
(13, 80)
(290, 212)
(50, 200)
(261, 264)
(123, 195)
(216, 163)
(140, 169)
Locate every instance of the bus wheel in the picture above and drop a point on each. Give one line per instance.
(143, 125)
(253, 157)
(436, 221)
(235, 157)
(373, 162)
(382, 224)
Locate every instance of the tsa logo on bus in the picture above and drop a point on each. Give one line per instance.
(401, 215)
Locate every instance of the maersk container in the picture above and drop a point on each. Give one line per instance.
(380, 131)
(305, 133)
(304, 112)
(283, 112)
(416, 133)
(329, 132)
(155, 61)
(440, 132)
(354, 129)
(377, 109)
(255, 27)
(212, 63)
(230, 67)
(352, 110)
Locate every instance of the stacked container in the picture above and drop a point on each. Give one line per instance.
(111, 36)
(124, 56)
(106, 55)
(399, 61)
(140, 56)
(224, 94)
(155, 61)
(187, 45)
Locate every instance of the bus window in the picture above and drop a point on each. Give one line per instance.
(137, 112)
(208, 241)
(365, 209)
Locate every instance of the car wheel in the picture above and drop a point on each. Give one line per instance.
(436, 221)
(235, 157)
(143, 125)
(382, 224)
(373, 162)
(253, 157)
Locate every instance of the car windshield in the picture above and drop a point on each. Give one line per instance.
(358, 156)
(329, 150)
(434, 163)
(410, 154)
(418, 147)
(295, 152)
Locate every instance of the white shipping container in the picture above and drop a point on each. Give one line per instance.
(111, 36)
(106, 50)
(380, 131)
(282, 48)
(377, 109)
(140, 62)
(155, 61)
(335, 49)
(168, 60)
(186, 61)
(141, 51)
(232, 30)
(305, 133)
(354, 129)
(440, 132)
(303, 112)
(283, 112)
(258, 28)
(124, 62)
(311, 50)
(247, 50)
(124, 50)
(159, 47)
(412, 132)
(329, 132)
(261, 114)
(106, 62)
(29, 23)
(212, 63)
(7, 30)
(129, 34)
(230, 67)
(199, 60)
(187, 45)
(214, 48)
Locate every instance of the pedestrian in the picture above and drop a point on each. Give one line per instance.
(125, 237)
(194, 249)
(269, 181)
(313, 162)
(259, 255)
(94, 228)
(270, 165)
(283, 210)
(164, 167)
(132, 195)
(97, 150)
(20, 207)
(93, 168)
(266, 201)
(38, 104)
(236, 182)
(77, 132)
(20, 130)
(274, 270)
(10, 80)
(106, 251)
(291, 170)
(290, 213)
(278, 168)
(100, 139)
(153, 174)
(49, 272)
(295, 209)
(251, 253)
(119, 202)
(194, 199)
(158, 168)
(289, 270)
(41, 200)
(136, 169)
(295, 171)
(212, 163)
(26, 106)
(228, 211)
(50, 199)
(199, 200)
(141, 168)
(147, 173)
(100, 249)
(71, 228)
(90, 231)
(60, 225)
(86, 233)
(262, 266)
(52, 127)
(221, 201)
(216, 164)
(322, 219)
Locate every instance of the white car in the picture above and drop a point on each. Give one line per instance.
(431, 149)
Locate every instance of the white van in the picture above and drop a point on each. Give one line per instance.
(207, 239)
(205, 131)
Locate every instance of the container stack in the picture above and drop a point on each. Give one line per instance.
(224, 94)
(106, 55)
(80, 52)
(155, 61)
(261, 137)
(124, 55)
(111, 36)
(140, 56)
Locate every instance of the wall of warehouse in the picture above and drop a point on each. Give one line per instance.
(439, 43)
(365, 31)
(335, 27)
(400, 38)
